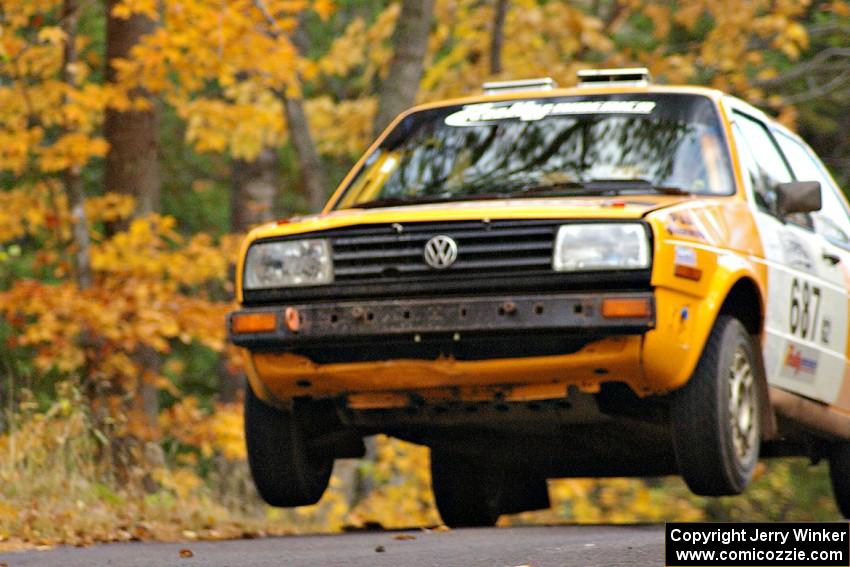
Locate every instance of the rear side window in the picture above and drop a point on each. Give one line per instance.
(831, 221)
(761, 159)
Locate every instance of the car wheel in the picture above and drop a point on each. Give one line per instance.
(715, 416)
(839, 471)
(285, 472)
(468, 493)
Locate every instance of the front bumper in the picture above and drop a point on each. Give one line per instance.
(379, 353)
(415, 320)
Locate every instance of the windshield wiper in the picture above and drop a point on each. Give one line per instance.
(598, 187)
(561, 189)
(401, 201)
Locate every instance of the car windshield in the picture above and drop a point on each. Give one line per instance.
(579, 145)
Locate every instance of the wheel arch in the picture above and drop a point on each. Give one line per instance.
(744, 301)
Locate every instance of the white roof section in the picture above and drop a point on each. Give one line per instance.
(540, 84)
(631, 76)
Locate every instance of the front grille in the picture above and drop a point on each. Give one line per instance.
(500, 248)
(493, 256)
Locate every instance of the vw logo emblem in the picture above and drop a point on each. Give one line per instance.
(440, 252)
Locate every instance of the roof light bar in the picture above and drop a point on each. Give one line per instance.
(499, 87)
(635, 77)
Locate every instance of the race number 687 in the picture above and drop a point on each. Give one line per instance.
(805, 306)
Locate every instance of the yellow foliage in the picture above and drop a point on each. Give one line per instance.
(401, 497)
(361, 48)
(148, 291)
(26, 212)
(218, 431)
(33, 97)
(15, 148)
(51, 34)
(111, 207)
(206, 41)
(242, 127)
(182, 481)
(341, 129)
(126, 8)
(72, 150)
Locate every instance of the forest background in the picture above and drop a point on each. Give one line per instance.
(140, 139)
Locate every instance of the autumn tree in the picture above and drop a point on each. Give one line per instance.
(256, 103)
(85, 303)
(132, 164)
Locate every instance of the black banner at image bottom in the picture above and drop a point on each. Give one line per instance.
(822, 544)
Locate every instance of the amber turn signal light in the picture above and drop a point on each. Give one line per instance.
(687, 272)
(625, 308)
(243, 323)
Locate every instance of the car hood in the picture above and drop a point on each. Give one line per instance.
(623, 207)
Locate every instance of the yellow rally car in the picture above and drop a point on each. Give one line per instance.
(617, 279)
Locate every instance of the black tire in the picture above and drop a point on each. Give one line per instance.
(468, 494)
(285, 472)
(716, 437)
(839, 472)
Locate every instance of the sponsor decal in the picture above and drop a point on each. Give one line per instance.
(532, 110)
(796, 255)
(685, 256)
(681, 224)
(825, 330)
(799, 363)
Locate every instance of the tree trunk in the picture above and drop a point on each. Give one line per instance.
(313, 178)
(254, 191)
(132, 164)
(132, 167)
(314, 181)
(310, 167)
(497, 38)
(73, 182)
(398, 91)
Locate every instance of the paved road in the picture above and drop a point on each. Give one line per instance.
(555, 546)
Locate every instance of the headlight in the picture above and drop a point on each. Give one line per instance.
(601, 246)
(288, 264)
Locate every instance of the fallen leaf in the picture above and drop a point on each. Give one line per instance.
(186, 553)
(404, 537)
(380, 549)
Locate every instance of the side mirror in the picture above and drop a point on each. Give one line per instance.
(798, 197)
